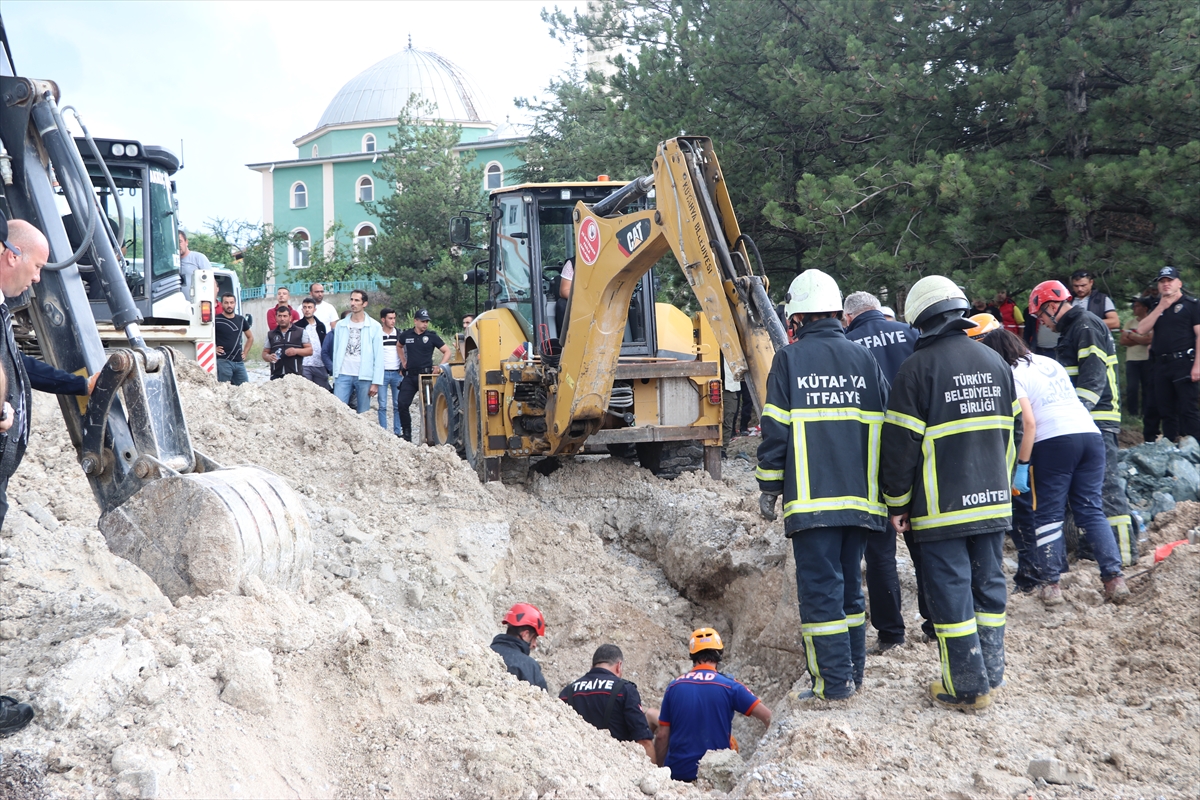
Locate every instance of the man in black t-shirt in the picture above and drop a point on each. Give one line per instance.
(416, 359)
(609, 702)
(1175, 352)
(231, 362)
(286, 347)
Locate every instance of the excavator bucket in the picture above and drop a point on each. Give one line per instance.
(204, 532)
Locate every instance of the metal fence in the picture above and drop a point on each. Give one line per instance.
(300, 290)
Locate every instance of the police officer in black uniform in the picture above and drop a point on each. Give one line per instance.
(416, 359)
(608, 701)
(1175, 352)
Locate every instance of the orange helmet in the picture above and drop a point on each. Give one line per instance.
(705, 639)
(526, 615)
(1047, 292)
(985, 323)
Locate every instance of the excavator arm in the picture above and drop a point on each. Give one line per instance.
(193, 526)
(694, 219)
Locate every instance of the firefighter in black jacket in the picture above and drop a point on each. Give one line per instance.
(820, 426)
(1086, 350)
(947, 464)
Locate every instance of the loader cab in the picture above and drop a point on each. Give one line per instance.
(145, 192)
(533, 232)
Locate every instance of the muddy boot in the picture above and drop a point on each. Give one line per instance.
(858, 650)
(1051, 594)
(1116, 590)
(966, 702)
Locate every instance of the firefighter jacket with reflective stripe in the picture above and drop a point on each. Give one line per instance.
(826, 398)
(1086, 351)
(948, 446)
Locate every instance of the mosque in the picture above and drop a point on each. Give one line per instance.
(333, 176)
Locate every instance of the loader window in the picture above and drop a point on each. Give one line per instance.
(514, 273)
(164, 240)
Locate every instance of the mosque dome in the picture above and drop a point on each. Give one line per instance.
(381, 91)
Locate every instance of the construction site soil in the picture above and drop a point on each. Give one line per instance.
(376, 679)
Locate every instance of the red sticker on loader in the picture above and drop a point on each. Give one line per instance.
(588, 242)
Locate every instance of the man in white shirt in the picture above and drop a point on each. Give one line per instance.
(189, 262)
(358, 355)
(325, 310)
(391, 372)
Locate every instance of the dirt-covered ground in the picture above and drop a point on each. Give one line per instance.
(375, 679)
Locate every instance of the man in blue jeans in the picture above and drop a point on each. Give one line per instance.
(231, 363)
(358, 355)
(392, 373)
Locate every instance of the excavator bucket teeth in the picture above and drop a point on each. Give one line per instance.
(200, 533)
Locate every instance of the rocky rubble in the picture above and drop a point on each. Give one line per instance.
(375, 680)
(1157, 475)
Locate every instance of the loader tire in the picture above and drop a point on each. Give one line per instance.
(488, 469)
(671, 459)
(444, 416)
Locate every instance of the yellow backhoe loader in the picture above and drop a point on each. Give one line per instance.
(541, 375)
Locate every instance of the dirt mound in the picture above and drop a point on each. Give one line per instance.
(376, 679)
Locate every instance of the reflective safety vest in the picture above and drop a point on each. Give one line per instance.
(821, 424)
(1088, 354)
(948, 447)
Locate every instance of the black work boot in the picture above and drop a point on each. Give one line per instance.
(13, 715)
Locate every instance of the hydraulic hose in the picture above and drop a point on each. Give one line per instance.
(112, 185)
(49, 122)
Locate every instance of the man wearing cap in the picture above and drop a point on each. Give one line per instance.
(609, 702)
(1083, 287)
(416, 359)
(698, 707)
(947, 460)
(1175, 352)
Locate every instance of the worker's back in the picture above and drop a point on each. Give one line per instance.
(699, 708)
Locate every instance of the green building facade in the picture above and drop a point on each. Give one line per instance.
(333, 176)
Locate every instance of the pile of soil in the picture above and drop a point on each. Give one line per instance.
(376, 680)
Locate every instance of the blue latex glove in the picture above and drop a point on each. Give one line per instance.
(1021, 479)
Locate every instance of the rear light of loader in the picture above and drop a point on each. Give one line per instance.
(206, 311)
(493, 402)
(714, 392)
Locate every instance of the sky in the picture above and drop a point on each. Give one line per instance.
(237, 82)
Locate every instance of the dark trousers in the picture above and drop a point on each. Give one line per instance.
(832, 612)
(1114, 503)
(883, 586)
(408, 390)
(1139, 397)
(914, 552)
(3, 500)
(1065, 468)
(1025, 540)
(1176, 396)
(729, 414)
(964, 584)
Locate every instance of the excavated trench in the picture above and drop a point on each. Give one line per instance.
(374, 680)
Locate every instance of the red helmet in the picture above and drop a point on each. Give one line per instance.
(1047, 292)
(526, 614)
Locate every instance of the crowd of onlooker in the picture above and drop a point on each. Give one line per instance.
(350, 354)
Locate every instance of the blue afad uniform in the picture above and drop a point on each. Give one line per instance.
(820, 426)
(699, 709)
(947, 460)
(609, 703)
(515, 652)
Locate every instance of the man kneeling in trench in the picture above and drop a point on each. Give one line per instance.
(698, 707)
(608, 701)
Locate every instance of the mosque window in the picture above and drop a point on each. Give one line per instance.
(363, 237)
(298, 249)
(366, 189)
(368, 144)
(299, 195)
(315, 151)
(494, 176)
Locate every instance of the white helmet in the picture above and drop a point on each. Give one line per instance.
(931, 295)
(812, 292)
